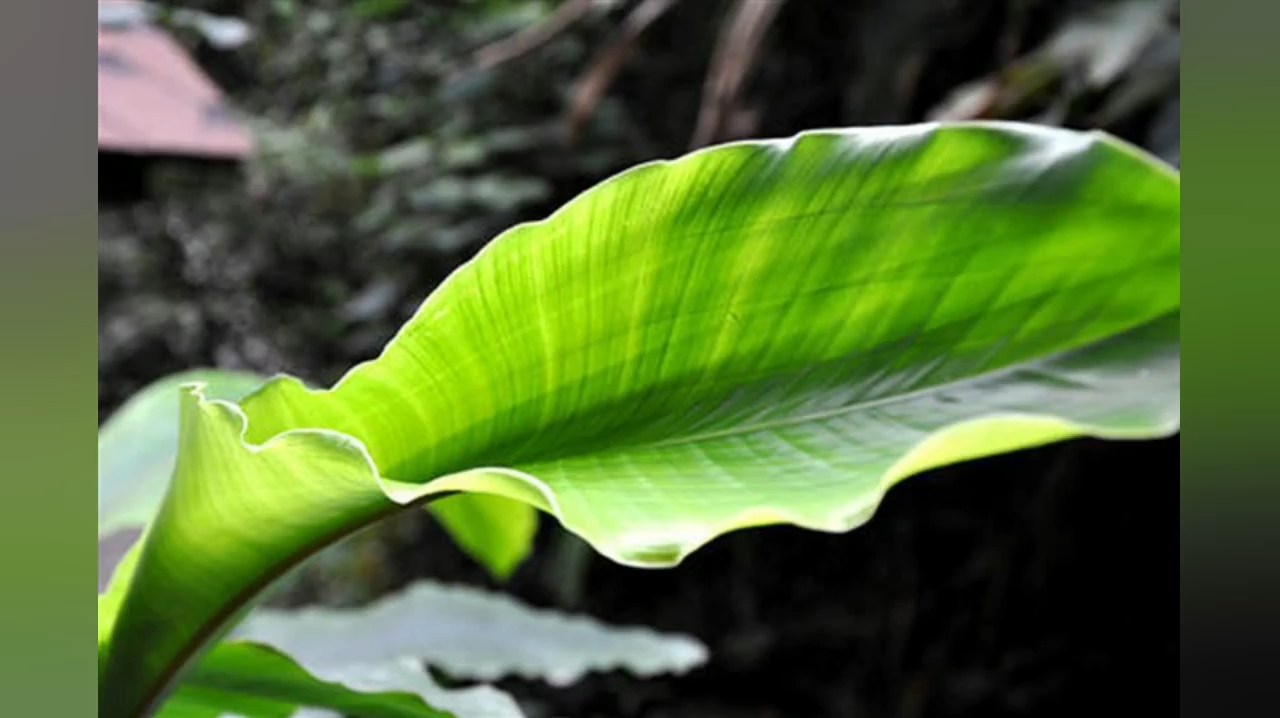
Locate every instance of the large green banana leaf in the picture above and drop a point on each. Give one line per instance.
(764, 332)
(138, 444)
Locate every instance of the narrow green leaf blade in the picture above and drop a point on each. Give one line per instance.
(199, 702)
(259, 680)
(497, 532)
(763, 332)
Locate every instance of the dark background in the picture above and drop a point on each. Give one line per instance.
(1041, 583)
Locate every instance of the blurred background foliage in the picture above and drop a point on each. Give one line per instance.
(395, 137)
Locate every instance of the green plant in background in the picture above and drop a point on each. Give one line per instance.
(764, 332)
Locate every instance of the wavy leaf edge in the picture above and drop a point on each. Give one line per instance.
(680, 653)
(665, 553)
(519, 485)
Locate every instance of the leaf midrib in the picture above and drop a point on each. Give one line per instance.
(948, 385)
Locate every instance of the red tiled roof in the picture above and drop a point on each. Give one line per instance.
(154, 99)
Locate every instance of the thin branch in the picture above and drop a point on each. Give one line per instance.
(735, 54)
(592, 85)
(532, 37)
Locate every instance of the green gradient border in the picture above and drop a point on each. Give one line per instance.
(48, 299)
(1231, 353)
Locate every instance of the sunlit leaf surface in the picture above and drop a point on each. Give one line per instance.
(764, 332)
